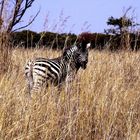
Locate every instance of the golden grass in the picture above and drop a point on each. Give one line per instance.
(103, 104)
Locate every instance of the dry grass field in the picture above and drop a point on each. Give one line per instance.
(103, 103)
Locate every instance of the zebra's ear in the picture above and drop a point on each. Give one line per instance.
(88, 45)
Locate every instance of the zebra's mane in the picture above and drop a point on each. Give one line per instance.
(70, 50)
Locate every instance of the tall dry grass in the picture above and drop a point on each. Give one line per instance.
(103, 104)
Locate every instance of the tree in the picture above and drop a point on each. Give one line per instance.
(122, 27)
(121, 24)
(16, 9)
(11, 14)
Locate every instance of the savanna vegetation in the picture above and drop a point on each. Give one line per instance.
(103, 103)
(104, 100)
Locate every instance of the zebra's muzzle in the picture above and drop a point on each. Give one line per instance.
(84, 65)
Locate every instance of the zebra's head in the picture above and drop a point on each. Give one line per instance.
(77, 55)
(83, 43)
(81, 55)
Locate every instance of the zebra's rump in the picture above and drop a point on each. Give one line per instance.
(44, 70)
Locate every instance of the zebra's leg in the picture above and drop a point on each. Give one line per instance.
(29, 88)
(59, 89)
(29, 85)
(70, 77)
(37, 83)
(39, 88)
(29, 76)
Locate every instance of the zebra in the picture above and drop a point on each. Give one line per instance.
(41, 72)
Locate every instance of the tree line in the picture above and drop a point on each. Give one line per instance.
(100, 41)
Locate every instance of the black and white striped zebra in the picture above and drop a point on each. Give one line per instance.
(41, 72)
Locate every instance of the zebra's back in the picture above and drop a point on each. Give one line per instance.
(42, 71)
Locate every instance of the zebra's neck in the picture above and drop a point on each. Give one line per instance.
(69, 53)
(69, 58)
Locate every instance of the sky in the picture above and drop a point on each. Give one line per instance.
(76, 16)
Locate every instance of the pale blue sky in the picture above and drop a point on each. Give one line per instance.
(80, 15)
